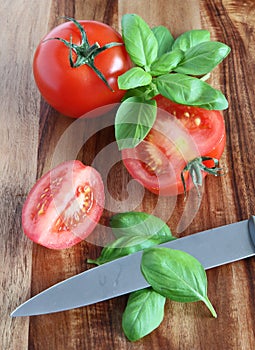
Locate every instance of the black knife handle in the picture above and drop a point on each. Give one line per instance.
(251, 224)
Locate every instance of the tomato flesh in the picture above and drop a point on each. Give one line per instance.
(179, 135)
(207, 128)
(64, 206)
(75, 91)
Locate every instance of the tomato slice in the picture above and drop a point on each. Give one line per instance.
(179, 135)
(64, 206)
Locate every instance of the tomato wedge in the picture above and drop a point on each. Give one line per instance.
(64, 206)
(182, 138)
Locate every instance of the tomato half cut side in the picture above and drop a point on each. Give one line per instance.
(207, 127)
(179, 135)
(64, 206)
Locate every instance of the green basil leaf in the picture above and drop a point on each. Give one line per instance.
(164, 38)
(140, 223)
(176, 275)
(141, 92)
(187, 90)
(139, 40)
(203, 58)
(166, 63)
(133, 78)
(126, 245)
(144, 313)
(133, 121)
(136, 92)
(135, 231)
(191, 38)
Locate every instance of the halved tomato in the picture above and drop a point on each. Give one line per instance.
(64, 206)
(184, 144)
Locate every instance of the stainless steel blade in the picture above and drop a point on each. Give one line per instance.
(212, 248)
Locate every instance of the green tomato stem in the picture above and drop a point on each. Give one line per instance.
(85, 53)
(195, 168)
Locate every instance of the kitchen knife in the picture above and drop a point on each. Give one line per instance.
(212, 248)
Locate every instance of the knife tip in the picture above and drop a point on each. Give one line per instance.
(14, 313)
(18, 312)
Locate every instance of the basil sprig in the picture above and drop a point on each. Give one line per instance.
(174, 68)
(171, 273)
(136, 231)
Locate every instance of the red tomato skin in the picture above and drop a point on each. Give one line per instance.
(211, 146)
(61, 184)
(77, 91)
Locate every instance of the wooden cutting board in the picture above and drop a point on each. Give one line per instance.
(30, 134)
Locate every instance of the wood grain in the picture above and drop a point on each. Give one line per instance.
(178, 16)
(19, 119)
(34, 138)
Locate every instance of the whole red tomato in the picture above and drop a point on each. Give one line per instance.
(77, 64)
(182, 147)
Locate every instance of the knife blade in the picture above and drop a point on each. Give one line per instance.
(212, 248)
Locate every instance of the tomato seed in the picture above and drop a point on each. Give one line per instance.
(197, 121)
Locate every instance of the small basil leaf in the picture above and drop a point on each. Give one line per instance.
(176, 275)
(203, 58)
(191, 38)
(144, 313)
(136, 92)
(126, 245)
(187, 90)
(140, 223)
(166, 63)
(133, 78)
(139, 40)
(133, 121)
(164, 38)
(143, 92)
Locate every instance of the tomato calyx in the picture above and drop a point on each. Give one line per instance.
(195, 168)
(85, 53)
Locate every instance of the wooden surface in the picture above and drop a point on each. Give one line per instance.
(30, 132)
